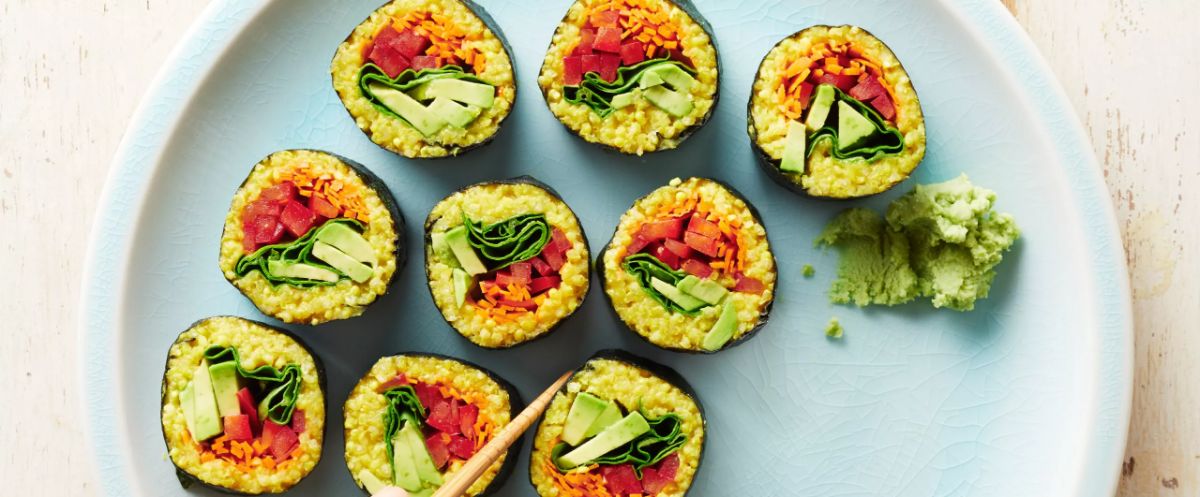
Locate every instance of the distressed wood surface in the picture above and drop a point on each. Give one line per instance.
(72, 72)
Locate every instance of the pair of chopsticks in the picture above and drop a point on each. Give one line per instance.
(477, 464)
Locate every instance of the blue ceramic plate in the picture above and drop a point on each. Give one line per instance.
(1027, 395)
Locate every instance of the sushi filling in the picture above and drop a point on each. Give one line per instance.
(629, 50)
(504, 269)
(839, 94)
(687, 259)
(307, 230)
(426, 73)
(624, 454)
(428, 427)
(225, 420)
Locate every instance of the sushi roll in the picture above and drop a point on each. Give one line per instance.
(689, 267)
(311, 237)
(426, 78)
(621, 426)
(243, 407)
(833, 114)
(506, 261)
(634, 75)
(413, 420)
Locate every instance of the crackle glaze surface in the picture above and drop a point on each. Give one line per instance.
(1027, 395)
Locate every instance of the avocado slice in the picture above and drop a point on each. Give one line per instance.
(370, 481)
(795, 148)
(208, 417)
(585, 409)
(301, 271)
(409, 108)
(679, 79)
(675, 103)
(404, 465)
(649, 78)
(621, 433)
(854, 129)
(357, 271)
(456, 238)
(611, 414)
(685, 301)
(350, 242)
(442, 251)
(225, 387)
(462, 281)
(622, 100)
(723, 329)
(821, 105)
(703, 289)
(477, 94)
(426, 470)
(187, 402)
(456, 114)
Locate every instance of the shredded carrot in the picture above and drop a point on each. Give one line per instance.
(586, 483)
(642, 20)
(448, 42)
(823, 59)
(341, 196)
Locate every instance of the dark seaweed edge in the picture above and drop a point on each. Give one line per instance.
(456, 151)
(515, 404)
(692, 12)
(389, 202)
(763, 317)
(662, 371)
(186, 479)
(518, 180)
(771, 166)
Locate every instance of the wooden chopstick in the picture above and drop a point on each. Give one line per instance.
(492, 450)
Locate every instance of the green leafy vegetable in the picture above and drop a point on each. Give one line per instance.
(282, 387)
(407, 80)
(516, 239)
(888, 140)
(644, 266)
(598, 93)
(295, 251)
(665, 436)
(403, 407)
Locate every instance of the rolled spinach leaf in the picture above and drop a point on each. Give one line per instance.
(403, 407)
(295, 251)
(644, 266)
(516, 239)
(665, 437)
(407, 80)
(282, 387)
(597, 93)
(888, 140)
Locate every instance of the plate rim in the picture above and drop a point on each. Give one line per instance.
(222, 21)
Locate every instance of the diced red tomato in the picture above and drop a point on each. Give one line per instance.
(539, 285)
(621, 480)
(397, 381)
(638, 243)
(441, 417)
(503, 278)
(467, 415)
(806, 90)
(678, 248)
(677, 55)
(237, 427)
(668, 467)
(704, 227)
(669, 258)
(867, 89)
(591, 63)
(267, 230)
(657, 477)
(746, 284)
(608, 66)
(668, 228)
(697, 268)
(555, 259)
(541, 267)
(280, 193)
(519, 304)
(247, 406)
(427, 394)
(522, 272)
(298, 421)
(438, 450)
(572, 70)
(409, 44)
(282, 439)
(843, 60)
(262, 207)
(388, 59)
(632, 53)
(606, 18)
(385, 36)
(586, 38)
(425, 62)
(461, 447)
(842, 82)
(297, 218)
(322, 208)
(701, 243)
(884, 105)
(608, 39)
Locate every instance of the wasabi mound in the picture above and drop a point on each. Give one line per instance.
(941, 241)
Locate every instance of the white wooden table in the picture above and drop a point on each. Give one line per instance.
(72, 72)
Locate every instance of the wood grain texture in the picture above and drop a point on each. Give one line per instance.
(72, 72)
